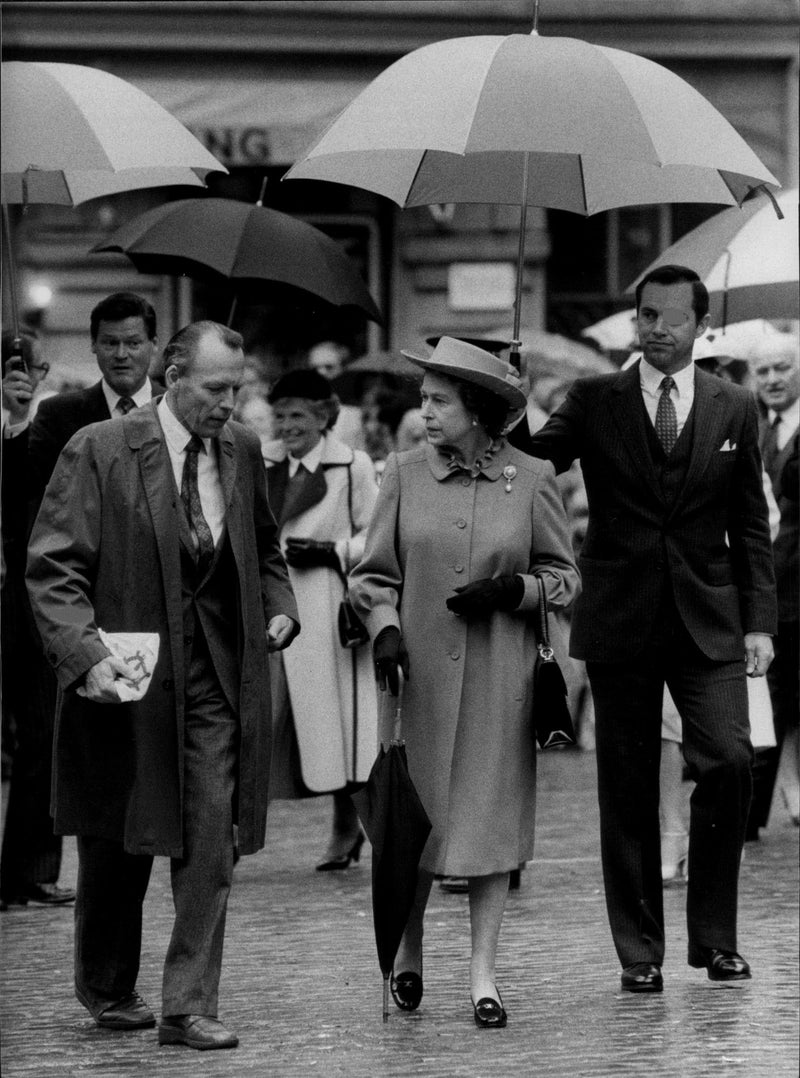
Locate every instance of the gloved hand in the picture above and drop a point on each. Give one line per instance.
(482, 597)
(389, 653)
(310, 553)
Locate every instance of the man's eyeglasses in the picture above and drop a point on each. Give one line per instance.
(670, 316)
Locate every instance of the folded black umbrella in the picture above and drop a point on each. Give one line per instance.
(397, 827)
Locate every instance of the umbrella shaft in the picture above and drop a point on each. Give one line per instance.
(523, 222)
(12, 274)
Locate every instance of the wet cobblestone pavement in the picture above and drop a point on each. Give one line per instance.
(302, 989)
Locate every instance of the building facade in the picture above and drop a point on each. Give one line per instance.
(258, 82)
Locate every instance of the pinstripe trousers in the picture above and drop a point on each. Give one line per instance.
(712, 700)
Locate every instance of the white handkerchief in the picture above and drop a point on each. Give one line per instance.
(727, 446)
(140, 652)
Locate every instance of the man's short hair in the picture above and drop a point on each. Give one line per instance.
(182, 348)
(671, 274)
(119, 306)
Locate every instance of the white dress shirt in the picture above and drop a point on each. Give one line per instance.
(140, 397)
(682, 393)
(209, 485)
(790, 421)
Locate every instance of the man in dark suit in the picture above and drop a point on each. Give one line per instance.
(678, 587)
(123, 338)
(776, 373)
(158, 522)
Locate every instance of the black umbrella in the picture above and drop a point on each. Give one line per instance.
(397, 827)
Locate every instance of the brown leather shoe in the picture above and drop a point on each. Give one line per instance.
(195, 1031)
(130, 1012)
(642, 977)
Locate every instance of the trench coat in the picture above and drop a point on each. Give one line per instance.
(105, 552)
(468, 703)
(332, 689)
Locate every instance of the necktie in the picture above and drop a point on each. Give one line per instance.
(666, 417)
(124, 405)
(190, 496)
(769, 444)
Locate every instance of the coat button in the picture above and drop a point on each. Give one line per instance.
(465, 482)
(455, 655)
(166, 683)
(461, 523)
(459, 568)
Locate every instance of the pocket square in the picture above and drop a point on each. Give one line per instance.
(727, 446)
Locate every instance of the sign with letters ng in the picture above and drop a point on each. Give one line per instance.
(236, 145)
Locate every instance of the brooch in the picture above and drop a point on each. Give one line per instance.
(508, 474)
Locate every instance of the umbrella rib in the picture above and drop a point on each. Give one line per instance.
(583, 185)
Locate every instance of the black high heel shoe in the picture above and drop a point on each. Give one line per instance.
(489, 1014)
(334, 864)
(406, 990)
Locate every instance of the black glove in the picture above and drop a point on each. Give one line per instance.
(482, 597)
(389, 652)
(310, 553)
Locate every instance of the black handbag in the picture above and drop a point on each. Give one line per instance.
(352, 630)
(551, 718)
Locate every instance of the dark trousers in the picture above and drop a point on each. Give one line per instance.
(712, 700)
(112, 883)
(784, 688)
(31, 852)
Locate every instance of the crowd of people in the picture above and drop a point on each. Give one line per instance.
(304, 564)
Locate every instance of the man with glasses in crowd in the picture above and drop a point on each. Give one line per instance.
(123, 338)
(678, 588)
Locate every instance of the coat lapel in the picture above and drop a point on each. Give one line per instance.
(630, 416)
(708, 430)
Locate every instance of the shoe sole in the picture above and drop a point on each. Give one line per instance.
(170, 1037)
(121, 1026)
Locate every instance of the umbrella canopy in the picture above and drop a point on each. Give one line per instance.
(389, 369)
(747, 258)
(244, 243)
(457, 121)
(397, 827)
(70, 133)
(496, 119)
(556, 354)
(617, 332)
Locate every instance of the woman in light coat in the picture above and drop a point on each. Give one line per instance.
(447, 589)
(322, 493)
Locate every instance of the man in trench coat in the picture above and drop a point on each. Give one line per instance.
(158, 522)
(678, 587)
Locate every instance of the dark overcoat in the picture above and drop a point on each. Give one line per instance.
(105, 553)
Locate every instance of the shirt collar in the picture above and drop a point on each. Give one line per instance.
(178, 437)
(650, 379)
(790, 417)
(140, 397)
(310, 461)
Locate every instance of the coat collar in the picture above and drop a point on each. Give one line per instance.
(334, 452)
(492, 471)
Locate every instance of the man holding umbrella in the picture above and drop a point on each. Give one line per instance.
(678, 588)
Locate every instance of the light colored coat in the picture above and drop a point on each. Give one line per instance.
(467, 706)
(337, 741)
(105, 551)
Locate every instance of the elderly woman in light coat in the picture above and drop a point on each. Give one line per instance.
(322, 493)
(447, 589)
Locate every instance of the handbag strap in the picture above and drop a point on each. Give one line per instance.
(342, 573)
(544, 621)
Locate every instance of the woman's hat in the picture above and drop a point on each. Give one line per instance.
(459, 359)
(305, 383)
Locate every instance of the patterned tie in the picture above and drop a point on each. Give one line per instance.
(666, 417)
(124, 405)
(190, 496)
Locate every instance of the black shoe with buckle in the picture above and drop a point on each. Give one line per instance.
(721, 965)
(642, 977)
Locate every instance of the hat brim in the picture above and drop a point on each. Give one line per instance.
(511, 394)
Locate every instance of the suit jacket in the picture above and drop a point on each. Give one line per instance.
(710, 546)
(105, 551)
(783, 473)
